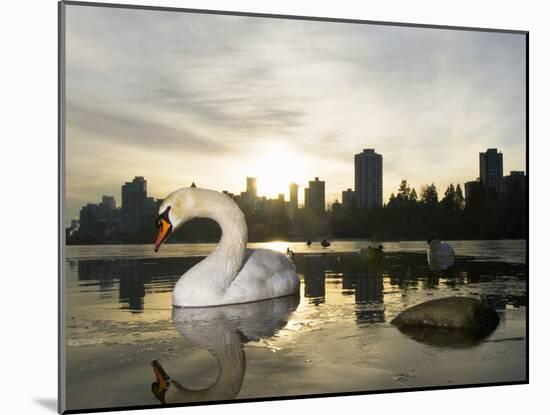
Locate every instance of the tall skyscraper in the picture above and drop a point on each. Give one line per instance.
(134, 195)
(293, 196)
(315, 196)
(251, 189)
(490, 170)
(368, 178)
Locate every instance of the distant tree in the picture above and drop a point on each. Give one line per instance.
(392, 200)
(404, 191)
(413, 196)
(429, 195)
(459, 198)
(448, 201)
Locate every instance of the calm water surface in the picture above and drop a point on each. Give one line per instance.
(335, 337)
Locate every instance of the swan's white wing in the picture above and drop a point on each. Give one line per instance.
(264, 274)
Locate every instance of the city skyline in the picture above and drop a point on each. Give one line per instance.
(314, 196)
(213, 99)
(276, 217)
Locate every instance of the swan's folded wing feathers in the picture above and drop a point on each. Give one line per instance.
(268, 272)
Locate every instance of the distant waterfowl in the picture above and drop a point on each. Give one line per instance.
(441, 255)
(373, 253)
(289, 253)
(308, 243)
(325, 243)
(231, 274)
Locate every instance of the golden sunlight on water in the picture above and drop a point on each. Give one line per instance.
(279, 246)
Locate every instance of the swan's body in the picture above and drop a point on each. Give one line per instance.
(231, 274)
(441, 255)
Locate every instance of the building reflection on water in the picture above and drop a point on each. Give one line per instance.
(313, 270)
(132, 286)
(132, 279)
(369, 297)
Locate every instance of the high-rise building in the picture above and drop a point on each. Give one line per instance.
(473, 192)
(134, 195)
(348, 199)
(89, 217)
(251, 190)
(99, 221)
(108, 202)
(515, 184)
(150, 212)
(315, 196)
(368, 178)
(293, 199)
(490, 170)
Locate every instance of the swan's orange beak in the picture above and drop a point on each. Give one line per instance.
(165, 229)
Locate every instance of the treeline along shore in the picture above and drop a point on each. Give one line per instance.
(407, 216)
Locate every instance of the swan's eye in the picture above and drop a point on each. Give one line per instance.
(163, 216)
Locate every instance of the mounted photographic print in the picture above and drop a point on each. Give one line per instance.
(257, 207)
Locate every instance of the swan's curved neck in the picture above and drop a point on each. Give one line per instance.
(213, 275)
(229, 253)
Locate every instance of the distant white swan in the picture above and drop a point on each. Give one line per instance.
(441, 255)
(231, 274)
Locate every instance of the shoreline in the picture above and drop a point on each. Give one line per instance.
(388, 257)
(119, 243)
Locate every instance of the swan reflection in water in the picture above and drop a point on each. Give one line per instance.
(223, 331)
(440, 263)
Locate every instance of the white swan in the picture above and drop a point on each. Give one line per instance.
(231, 274)
(441, 255)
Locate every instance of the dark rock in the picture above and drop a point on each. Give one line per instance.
(450, 313)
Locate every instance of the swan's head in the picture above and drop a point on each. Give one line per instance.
(177, 208)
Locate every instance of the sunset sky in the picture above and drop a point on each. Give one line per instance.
(179, 97)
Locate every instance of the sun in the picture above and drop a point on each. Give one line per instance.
(275, 167)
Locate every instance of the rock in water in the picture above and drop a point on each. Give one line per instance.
(450, 313)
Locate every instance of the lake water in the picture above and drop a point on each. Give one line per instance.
(336, 337)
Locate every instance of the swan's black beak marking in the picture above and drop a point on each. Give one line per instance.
(165, 228)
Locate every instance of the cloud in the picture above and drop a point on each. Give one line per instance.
(133, 130)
